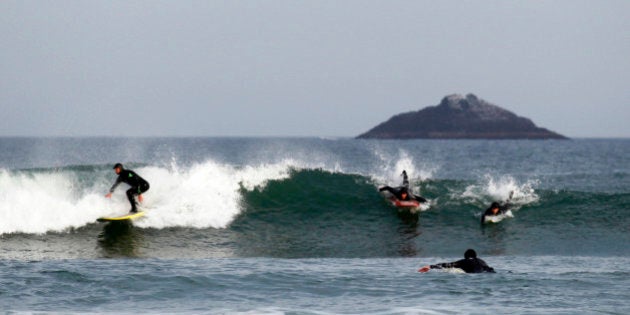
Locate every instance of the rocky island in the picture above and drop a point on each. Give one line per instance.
(460, 117)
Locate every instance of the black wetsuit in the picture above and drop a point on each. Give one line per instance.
(398, 191)
(469, 265)
(137, 183)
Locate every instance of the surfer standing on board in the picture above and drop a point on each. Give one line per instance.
(470, 264)
(129, 177)
(402, 192)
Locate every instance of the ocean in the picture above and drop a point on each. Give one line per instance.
(297, 226)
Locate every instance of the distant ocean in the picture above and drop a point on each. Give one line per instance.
(297, 226)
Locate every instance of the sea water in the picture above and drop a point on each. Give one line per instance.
(296, 226)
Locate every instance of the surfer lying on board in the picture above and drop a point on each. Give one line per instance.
(129, 177)
(470, 264)
(402, 192)
(497, 209)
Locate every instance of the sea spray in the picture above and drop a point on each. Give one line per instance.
(389, 169)
(500, 189)
(203, 195)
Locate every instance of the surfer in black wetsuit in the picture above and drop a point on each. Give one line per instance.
(497, 208)
(470, 264)
(129, 177)
(402, 192)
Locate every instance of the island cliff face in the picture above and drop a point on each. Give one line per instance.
(459, 117)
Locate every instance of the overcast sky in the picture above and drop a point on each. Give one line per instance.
(306, 68)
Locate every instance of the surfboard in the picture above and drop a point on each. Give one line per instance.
(454, 270)
(410, 206)
(404, 203)
(128, 216)
(447, 270)
(498, 218)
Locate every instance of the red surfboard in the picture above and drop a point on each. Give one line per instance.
(404, 203)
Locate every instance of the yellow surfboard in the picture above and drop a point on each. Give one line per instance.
(128, 216)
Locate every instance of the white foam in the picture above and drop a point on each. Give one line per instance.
(203, 195)
(500, 189)
(42, 202)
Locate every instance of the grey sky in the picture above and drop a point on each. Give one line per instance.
(306, 68)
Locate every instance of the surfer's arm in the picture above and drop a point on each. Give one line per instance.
(419, 198)
(387, 188)
(507, 205)
(444, 265)
(485, 266)
(438, 266)
(111, 190)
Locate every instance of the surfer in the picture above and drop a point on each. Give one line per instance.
(497, 209)
(402, 192)
(470, 264)
(129, 177)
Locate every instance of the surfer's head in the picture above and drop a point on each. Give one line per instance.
(495, 207)
(470, 253)
(404, 173)
(118, 168)
(404, 192)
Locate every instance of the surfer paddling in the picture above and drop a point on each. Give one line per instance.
(497, 208)
(470, 264)
(402, 192)
(129, 177)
